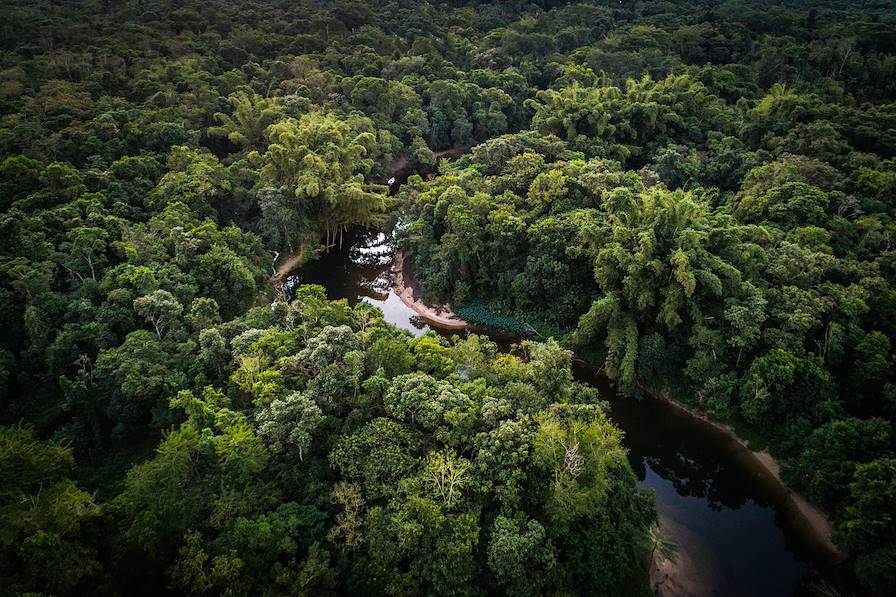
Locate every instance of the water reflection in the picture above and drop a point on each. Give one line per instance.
(737, 536)
(692, 477)
(362, 271)
(721, 511)
(693, 467)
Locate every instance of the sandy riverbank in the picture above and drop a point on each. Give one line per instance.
(688, 575)
(407, 289)
(669, 578)
(808, 513)
(812, 517)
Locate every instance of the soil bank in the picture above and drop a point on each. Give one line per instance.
(405, 285)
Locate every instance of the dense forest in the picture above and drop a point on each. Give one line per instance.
(697, 197)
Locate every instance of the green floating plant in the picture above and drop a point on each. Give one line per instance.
(480, 314)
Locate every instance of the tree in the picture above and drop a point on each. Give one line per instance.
(588, 475)
(204, 313)
(377, 456)
(319, 162)
(19, 175)
(868, 525)
(132, 378)
(502, 460)
(657, 265)
(197, 572)
(577, 454)
(159, 308)
(783, 386)
(607, 121)
(44, 516)
(789, 206)
(828, 463)
(289, 423)
(417, 545)
(281, 224)
(162, 498)
(212, 460)
(87, 245)
(251, 117)
(194, 178)
(520, 555)
(698, 197)
(227, 277)
(392, 354)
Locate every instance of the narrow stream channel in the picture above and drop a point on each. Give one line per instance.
(737, 532)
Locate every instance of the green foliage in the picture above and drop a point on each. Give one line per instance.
(318, 163)
(251, 117)
(719, 228)
(289, 423)
(421, 466)
(520, 555)
(828, 464)
(691, 193)
(45, 518)
(608, 122)
(868, 524)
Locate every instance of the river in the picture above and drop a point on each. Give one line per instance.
(737, 532)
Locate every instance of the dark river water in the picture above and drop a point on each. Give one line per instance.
(737, 531)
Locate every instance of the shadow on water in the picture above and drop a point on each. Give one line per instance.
(734, 523)
(737, 532)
